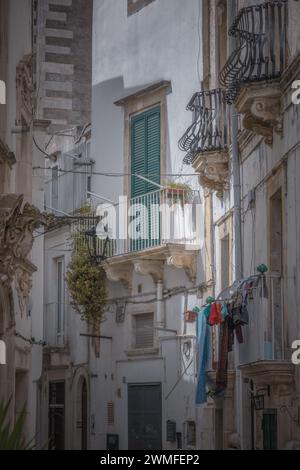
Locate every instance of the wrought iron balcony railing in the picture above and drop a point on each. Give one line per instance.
(209, 129)
(161, 217)
(259, 55)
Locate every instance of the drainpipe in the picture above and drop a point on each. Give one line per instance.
(237, 224)
(160, 305)
(238, 270)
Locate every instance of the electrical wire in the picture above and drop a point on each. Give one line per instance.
(31, 341)
(116, 175)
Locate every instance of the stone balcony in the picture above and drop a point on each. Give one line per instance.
(164, 230)
(252, 73)
(206, 141)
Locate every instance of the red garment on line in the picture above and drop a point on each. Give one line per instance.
(215, 316)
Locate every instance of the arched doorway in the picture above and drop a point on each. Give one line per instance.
(82, 414)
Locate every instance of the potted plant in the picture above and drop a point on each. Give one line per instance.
(178, 192)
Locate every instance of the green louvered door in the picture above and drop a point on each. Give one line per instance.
(145, 161)
(269, 426)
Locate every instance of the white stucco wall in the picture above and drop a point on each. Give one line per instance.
(161, 42)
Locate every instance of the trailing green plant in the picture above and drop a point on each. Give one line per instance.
(178, 190)
(11, 437)
(86, 283)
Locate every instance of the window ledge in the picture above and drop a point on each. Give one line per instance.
(141, 352)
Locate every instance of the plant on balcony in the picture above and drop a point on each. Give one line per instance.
(178, 191)
(85, 209)
(86, 283)
(11, 437)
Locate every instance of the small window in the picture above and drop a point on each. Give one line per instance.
(191, 433)
(136, 5)
(225, 262)
(144, 331)
(54, 188)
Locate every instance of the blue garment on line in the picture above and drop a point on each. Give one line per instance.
(225, 312)
(203, 334)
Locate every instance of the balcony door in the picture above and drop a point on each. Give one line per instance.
(60, 302)
(275, 320)
(145, 162)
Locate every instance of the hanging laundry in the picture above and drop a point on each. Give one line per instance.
(224, 311)
(215, 317)
(224, 339)
(206, 311)
(203, 335)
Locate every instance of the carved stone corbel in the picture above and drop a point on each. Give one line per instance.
(186, 261)
(119, 273)
(155, 269)
(213, 169)
(260, 106)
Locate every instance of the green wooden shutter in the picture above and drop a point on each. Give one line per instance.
(145, 151)
(145, 161)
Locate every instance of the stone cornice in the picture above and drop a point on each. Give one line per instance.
(157, 87)
(269, 372)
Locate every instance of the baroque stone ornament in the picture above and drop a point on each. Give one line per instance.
(121, 274)
(155, 269)
(260, 106)
(16, 239)
(185, 260)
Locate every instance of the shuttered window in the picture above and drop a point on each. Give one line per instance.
(145, 151)
(144, 331)
(145, 161)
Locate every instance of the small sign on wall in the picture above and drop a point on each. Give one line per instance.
(112, 442)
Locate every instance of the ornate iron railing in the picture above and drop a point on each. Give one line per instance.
(259, 55)
(209, 129)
